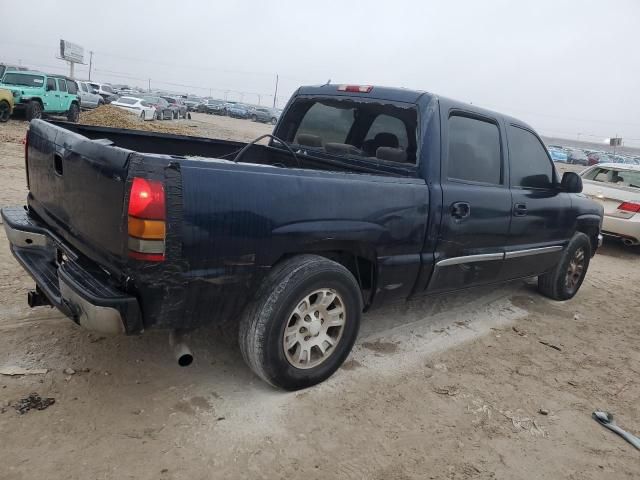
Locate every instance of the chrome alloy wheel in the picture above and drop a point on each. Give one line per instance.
(314, 328)
(575, 270)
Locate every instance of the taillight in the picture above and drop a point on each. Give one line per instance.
(146, 224)
(355, 88)
(26, 157)
(629, 207)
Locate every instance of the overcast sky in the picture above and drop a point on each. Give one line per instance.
(566, 67)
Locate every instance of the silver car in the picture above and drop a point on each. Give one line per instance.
(88, 99)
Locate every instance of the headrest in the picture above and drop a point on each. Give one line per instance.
(309, 140)
(391, 154)
(341, 149)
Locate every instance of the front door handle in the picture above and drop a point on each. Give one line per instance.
(520, 209)
(460, 210)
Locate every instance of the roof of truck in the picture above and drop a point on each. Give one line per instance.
(382, 93)
(405, 95)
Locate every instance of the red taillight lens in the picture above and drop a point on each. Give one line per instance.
(146, 225)
(629, 207)
(355, 88)
(147, 199)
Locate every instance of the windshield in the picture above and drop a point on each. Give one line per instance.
(23, 79)
(618, 177)
(355, 128)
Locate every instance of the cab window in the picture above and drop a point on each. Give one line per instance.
(62, 85)
(51, 84)
(530, 164)
(474, 151)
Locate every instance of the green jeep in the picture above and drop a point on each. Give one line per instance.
(38, 93)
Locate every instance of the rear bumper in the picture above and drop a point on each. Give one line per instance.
(628, 228)
(77, 287)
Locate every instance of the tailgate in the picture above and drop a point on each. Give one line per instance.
(77, 186)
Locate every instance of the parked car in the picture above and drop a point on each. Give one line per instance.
(88, 99)
(293, 240)
(212, 106)
(238, 110)
(577, 156)
(6, 104)
(105, 91)
(193, 103)
(617, 188)
(558, 154)
(139, 106)
(265, 115)
(178, 108)
(37, 93)
(163, 110)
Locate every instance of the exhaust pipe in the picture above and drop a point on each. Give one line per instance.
(629, 242)
(181, 350)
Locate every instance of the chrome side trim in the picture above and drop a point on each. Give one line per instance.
(533, 251)
(22, 238)
(485, 257)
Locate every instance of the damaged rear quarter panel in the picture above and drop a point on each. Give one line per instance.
(240, 219)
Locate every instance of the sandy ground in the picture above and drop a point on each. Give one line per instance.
(449, 387)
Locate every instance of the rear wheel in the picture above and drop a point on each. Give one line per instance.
(5, 111)
(254, 118)
(34, 110)
(100, 103)
(565, 280)
(73, 114)
(302, 323)
(274, 120)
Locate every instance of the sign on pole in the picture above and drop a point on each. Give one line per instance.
(615, 142)
(71, 52)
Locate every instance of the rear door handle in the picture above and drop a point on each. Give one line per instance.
(520, 209)
(460, 210)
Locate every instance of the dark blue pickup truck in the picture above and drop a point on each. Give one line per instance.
(363, 195)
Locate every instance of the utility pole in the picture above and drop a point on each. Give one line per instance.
(149, 85)
(90, 63)
(275, 95)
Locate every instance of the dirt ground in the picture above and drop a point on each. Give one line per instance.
(449, 387)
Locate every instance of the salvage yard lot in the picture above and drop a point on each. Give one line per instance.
(488, 383)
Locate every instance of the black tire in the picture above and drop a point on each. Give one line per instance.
(188, 116)
(254, 118)
(263, 323)
(5, 111)
(34, 110)
(73, 114)
(557, 284)
(100, 103)
(143, 115)
(274, 120)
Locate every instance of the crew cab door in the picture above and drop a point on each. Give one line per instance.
(51, 97)
(541, 222)
(476, 201)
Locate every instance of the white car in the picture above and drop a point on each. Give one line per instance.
(136, 105)
(617, 187)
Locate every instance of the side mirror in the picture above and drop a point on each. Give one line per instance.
(571, 182)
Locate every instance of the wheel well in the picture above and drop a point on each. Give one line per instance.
(590, 231)
(36, 99)
(362, 269)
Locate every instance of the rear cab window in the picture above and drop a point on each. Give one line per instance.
(530, 164)
(373, 130)
(618, 177)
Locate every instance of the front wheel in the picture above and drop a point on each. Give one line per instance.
(254, 118)
(34, 110)
(563, 282)
(302, 323)
(5, 111)
(73, 114)
(274, 120)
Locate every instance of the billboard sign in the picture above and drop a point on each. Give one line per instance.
(71, 52)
